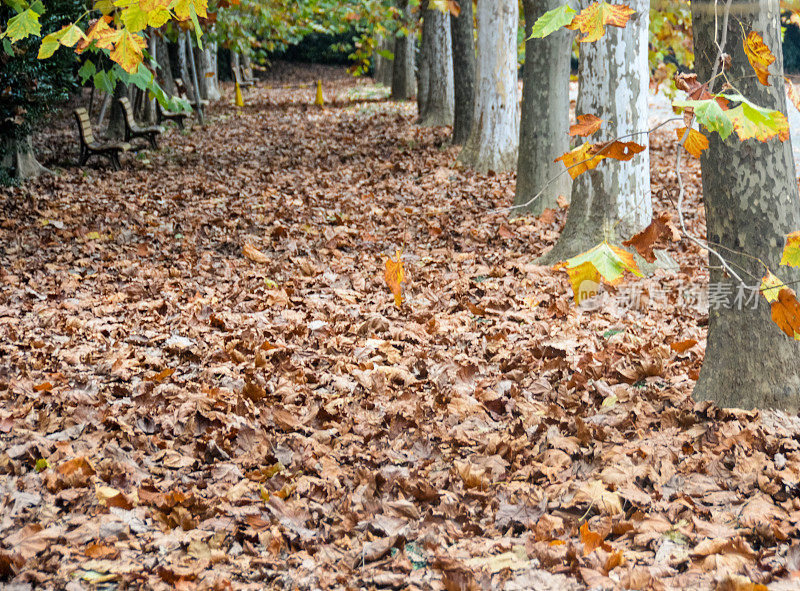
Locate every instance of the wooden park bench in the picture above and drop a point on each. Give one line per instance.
(184, 93)
(91, 147)
(163, 114)
(133, 130)
(240, 78)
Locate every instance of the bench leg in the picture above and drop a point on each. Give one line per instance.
(114, 159)
(153, 141)
(180, 122)
(84, 156)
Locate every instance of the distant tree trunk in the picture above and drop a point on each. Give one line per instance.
(383, 66)
(165, 78)
(209, 70)
(463, 34)
(236, 62)
(184, 66)
(116, 123)
(424, 67)
(18, 159)
(751, 203)
(149, 107)
(195, 81)
(494, 132)
(612, 201)
(545, 115)
(404, 50)
(438, 106)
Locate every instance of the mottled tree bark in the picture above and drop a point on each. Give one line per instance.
(206, 60)
(383, 66)
(438, 106)
(612, 201)
(494, 132)
(403, 87)
(116, 123)
(424, 66)
(545, 115)
(462, 32)
(751, 201)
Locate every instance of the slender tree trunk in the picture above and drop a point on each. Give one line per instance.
(438, 107)
(164, 76)
(612, 201)
(195, 81)
(424, 66)
(116, 123)
(462, 32)
(751, 201)
(545, 115)
(149, 107)
(184, 66)
(383, 66)
(404, 50)
(494, 132)
(19, 160)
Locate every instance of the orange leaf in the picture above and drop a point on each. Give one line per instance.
(163, 375)
(592, 20)
(759, 55)
(682, 346)
(43, 387)
(620, 150)
(454, 8)
(103, 36)
(592, 540)
(695, 143)
(586, 125)
(98, 551)
(76, 466)
(394, 276)
(614, 560)
(659, 229)
(786, 313)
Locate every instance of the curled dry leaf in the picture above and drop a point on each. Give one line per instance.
(786, 313)
(660, 230)
(759, 55)
(592, 20)
(255, 255)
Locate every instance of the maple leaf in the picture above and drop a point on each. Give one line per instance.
(661, 228)
(604, 261)
(791, 250)
(695, 143)
(21, 25)
(683, 346)
(759, 55)
(770, 287)
(620, 150)
(103, 35)
(127, 51)
(394, 276)
(586, 125)
(592, 20)
(585, 280)
(753, 122)
(134, 18)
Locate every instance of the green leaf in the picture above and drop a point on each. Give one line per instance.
(385, 54)
(551, 21)
(24, 24)
(104, 81)
(87, 70)
(709, 114)
(41, 465)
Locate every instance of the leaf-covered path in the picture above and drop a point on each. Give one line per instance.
(205, 383)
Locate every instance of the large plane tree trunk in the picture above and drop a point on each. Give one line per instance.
(494, 132)
(463, 34)
(545, 115)
(612, 201)
(437, 54)
(751, 201)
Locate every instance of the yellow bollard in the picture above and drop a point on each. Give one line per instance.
(239, 98)
(320, 100)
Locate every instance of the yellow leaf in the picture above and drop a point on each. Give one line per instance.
(585, 280)
(103, 36)
(183, 8)
(580, 159)
(759, 55)
(592, 20)
(394, 276)
(695, 143)
(128, 51)
(791, 251)
(770, 287)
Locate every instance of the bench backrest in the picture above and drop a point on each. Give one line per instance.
(237, 75)
(84, 125)
(127, 111)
